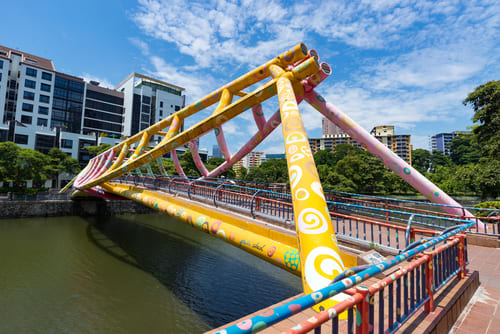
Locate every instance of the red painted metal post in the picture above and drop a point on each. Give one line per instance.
(461, 256)
(386, 211)
(412, 235)
(429, 282)
(362, 311)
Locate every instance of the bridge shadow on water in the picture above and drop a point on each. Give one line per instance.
(217, 281)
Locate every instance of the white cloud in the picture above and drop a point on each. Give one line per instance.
(420, 142)
(195, 85)
(429, 54)
(102, 81)
(141, 45)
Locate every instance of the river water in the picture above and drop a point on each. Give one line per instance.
(127, 274)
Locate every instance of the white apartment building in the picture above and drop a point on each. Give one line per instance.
(41, 108)
(147, 101)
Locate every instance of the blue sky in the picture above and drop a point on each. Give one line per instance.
(407, 63)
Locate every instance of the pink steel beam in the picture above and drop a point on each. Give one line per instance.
(384, 154)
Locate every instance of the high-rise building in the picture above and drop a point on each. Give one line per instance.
(328, 128)
(275, 156)
(328, 142)
(216, 153)
(147, 101)
(441, 141)
(41, 108)
(399, 144)
(253, 159)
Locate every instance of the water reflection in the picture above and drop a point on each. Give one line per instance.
(217, 281)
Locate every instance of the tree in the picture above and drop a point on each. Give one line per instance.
(485, 100)
(32, 165)
(439, 159)
(8, 158)
(463, 149)
(275, 170)
(343, 150)
(61, 162)
(188, 165)
(96, 150)
(324, 157)
(364, 170)
(421, 159)
(488, 178)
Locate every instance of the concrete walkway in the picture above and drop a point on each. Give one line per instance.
(482, 313)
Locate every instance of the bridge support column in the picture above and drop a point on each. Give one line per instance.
(319, 254)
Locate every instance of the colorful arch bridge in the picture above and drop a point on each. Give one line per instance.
(313, 253)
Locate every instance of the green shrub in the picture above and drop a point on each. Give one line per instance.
(486, 205)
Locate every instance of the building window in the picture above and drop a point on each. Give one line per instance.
(161, 113)
(21, 139)
(76, 86)
(30, 72)
(1, 63)
(26, 119)
(30, 83)
(61, 82)
(42, 122)
(161, 104)
(177, 108)
(27, 107)
(66, 143)
(45, 87)
(46, 76)
(146, 100)
(44, 98)
(78, 97)
(44, 143)
(43, 110)
(29, 96)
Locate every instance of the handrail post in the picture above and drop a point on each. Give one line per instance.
(251, 203)
(362, 311)
(429, 281)
(215, 194)
(412, 235)
(189, 189)
(461, 256)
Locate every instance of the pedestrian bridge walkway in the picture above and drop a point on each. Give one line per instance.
(260, 221)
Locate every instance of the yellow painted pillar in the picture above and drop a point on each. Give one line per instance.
(320, 259)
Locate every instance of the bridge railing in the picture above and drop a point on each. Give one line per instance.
(379, 235)
(387, 304)
(429, 206)
(398, 296)
(279, 205)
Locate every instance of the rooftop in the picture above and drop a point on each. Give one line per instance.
(151, 80)
(27, 58)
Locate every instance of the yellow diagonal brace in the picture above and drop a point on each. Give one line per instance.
(259, 95)
(320, 258)
(121, 156)
(289, 57)
(146, 135)
(309, 67)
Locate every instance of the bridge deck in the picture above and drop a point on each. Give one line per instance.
(480, 315)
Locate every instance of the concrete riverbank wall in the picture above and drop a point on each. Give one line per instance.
(54, 208)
